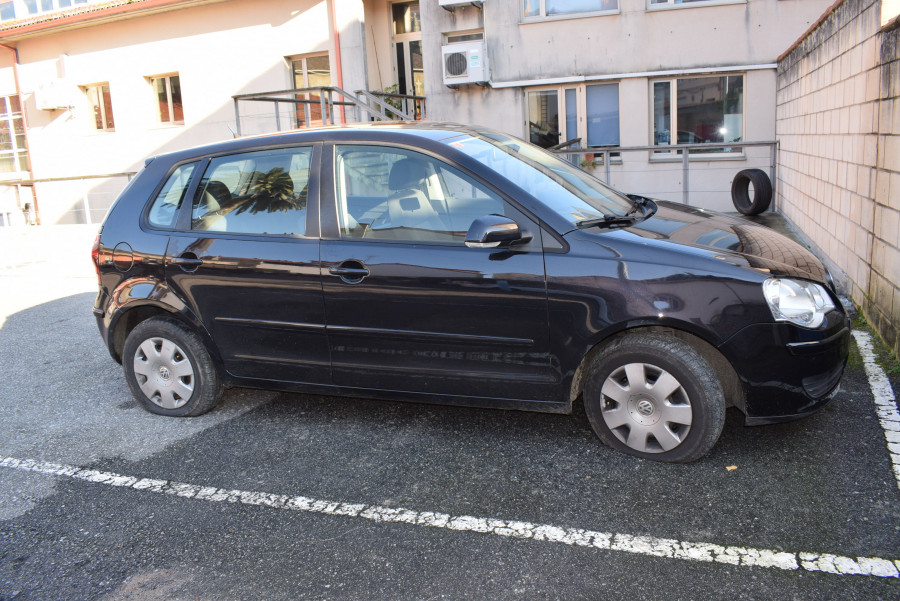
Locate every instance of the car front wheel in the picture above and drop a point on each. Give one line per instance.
(169, 369)
(654, 396)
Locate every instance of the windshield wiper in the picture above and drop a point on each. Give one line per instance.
(646, 206)
(609, 221)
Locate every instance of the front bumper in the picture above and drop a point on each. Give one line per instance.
(788, 372)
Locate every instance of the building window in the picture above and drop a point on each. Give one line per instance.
(13, 151)
(686, 3)
(312, 71)
(586, 111)
(27, 8)
(535, 9)
(463, 36)
(406, 17)
(100, 102)
(699, 110)
(167, 89)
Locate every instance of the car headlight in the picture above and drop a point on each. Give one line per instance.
(799, 302)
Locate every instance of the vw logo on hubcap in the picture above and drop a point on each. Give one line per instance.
(164, 373)
(645, 407)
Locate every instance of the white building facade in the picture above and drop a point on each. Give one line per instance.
(93, 88)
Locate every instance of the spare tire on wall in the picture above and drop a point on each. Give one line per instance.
(762, 191)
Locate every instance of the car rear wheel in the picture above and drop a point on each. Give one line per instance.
(169, 369)
(654, 396)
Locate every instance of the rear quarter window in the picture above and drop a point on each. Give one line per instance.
(165, 206)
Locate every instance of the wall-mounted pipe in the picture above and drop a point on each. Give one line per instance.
(336, 35)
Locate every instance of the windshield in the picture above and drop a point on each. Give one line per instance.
(569, 191)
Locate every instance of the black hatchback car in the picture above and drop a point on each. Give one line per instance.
(452, 264)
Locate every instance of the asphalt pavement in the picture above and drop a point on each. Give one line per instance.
(289, 496)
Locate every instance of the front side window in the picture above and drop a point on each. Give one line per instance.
(167, 90)
(165, 205)
(261, 192)
(397, 194)
(13, 151)
(698, 110)
(558, 8)
(100, 102)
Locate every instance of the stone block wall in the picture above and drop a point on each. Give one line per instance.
(838, 125)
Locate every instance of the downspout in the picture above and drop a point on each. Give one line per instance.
(15, 51)
(337, 52)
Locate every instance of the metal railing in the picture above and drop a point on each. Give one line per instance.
(317, 105)
(412, 107)
(660, 154)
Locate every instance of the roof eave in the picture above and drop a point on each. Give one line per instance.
(56, 23)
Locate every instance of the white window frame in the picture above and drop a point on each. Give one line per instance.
(674, 5)
(306, 109)
(580, 108)
(167, 78)
(304, 58)
(544, 17)
(667, 155)
(103, 117)
(453, 37)
(9, 116)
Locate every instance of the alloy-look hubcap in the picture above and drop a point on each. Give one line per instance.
(646, 408)
(164, 373)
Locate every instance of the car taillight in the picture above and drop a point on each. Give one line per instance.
(95, 255)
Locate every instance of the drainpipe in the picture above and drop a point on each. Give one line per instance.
(15, 51)
(337, 52)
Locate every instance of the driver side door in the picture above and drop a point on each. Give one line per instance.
(409, 306)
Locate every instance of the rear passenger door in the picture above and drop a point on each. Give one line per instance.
(245, 259)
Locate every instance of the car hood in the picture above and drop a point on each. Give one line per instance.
(736, 241)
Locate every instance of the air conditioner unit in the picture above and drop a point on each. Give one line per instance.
(451, 4)
(55, 94)
(465, 62)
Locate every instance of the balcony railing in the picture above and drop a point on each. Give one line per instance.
(306, 107)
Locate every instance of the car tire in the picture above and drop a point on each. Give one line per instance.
(654, 396)
(169, 370)
(762, 191)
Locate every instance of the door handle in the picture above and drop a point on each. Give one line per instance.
(187, 261)
(351, 272)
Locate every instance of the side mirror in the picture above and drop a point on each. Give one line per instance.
(494, 231)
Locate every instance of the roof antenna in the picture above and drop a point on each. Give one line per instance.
(233, 133)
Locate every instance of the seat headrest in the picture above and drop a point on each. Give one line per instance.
(407, 173)
(218, 190)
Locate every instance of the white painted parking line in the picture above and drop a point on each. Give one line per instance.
(641, 545)
(885, 402)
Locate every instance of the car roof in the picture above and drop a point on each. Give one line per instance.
(391, 131)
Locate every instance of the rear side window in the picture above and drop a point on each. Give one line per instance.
(165, 205)
(262, 192)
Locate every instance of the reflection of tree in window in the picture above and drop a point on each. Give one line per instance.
(269, 192)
